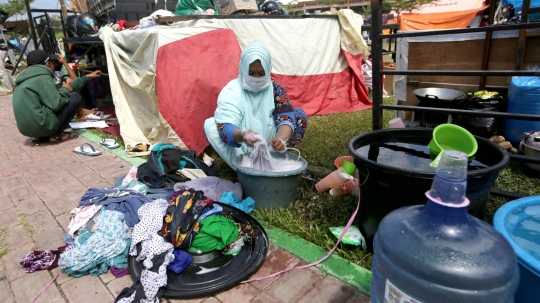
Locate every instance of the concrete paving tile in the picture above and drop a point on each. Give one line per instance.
(62, 277)
(30, 205)
(48, 192)
(10, 171)
(63, 220)
(38, 153)
(60, 205)
(3, 275)
(240, 293)
(79, 169)
(21, 193)
(4, 161)
(107, 277)
(117, 285)
(49, 164)
(86, 289)
(16, 236)
(59, 300)
(9, 217)
(50, 238)
(278, 261)
(5, 290)
(33, 172)
(54, 171)
(42, 220)
(67, 179)
(294, 285)
(328, 290)
(196, 300)
(5, 201)
(14, 182)
(26, 164)
(14, 270)
(27, 289)
(91, 179)
(359, 298)
(263, 298)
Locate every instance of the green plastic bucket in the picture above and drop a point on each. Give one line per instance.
(270, 189)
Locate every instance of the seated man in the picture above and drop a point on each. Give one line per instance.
(42, 110)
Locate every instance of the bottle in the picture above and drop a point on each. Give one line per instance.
(438, 253)
(337, 177)
(345, 188)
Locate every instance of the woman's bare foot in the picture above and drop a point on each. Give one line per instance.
(83, 112)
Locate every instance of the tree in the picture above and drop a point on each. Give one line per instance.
(14, 7)
(398, 6)
(409, 5)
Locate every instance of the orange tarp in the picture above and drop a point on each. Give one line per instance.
(442, 14)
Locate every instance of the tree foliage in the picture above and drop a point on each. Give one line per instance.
(14, 7)
(398, 6)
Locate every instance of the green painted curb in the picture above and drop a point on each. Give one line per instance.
(336, 266)
(118, 151)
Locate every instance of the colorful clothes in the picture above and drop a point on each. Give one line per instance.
(155, 253)
(283, 114)
(216, 233)
(107, 241)
(40, 260)
(80, 216)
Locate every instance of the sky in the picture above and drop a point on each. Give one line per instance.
(48, 4)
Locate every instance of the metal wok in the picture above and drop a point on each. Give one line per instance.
(434, 94)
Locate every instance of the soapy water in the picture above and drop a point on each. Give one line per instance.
(280, 164)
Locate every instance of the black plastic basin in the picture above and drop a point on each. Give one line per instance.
(214, 272)
(387, 186)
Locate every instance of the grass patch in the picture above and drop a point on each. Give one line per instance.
(23, 218)
(3, 248)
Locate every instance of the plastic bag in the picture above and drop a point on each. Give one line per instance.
(352, 236)
(482, 101)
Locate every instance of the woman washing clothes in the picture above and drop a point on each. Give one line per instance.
(252, 104)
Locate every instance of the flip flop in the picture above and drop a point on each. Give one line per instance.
(92, 152)
(109, 143)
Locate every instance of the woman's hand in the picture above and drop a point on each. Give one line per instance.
(247, 137)
(278, 144)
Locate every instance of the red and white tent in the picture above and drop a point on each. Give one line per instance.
(165, 80)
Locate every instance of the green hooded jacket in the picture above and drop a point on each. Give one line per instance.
(36, 100)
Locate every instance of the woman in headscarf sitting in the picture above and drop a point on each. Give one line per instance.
(254, 104)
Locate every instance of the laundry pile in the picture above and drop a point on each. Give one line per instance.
(149, 216)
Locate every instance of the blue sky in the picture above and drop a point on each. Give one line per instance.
(42, 3)
(49, 4)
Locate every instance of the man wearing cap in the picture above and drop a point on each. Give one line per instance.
(43, 111)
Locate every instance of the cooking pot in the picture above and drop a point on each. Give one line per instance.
(530, 146)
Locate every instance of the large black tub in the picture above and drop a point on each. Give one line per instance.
(394, 171)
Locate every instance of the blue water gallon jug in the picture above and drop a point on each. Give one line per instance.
(523, 98)
(438, 253)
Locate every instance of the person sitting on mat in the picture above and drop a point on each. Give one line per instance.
(42, 111)
(254, 103)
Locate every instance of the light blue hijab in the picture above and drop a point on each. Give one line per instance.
(246, 109)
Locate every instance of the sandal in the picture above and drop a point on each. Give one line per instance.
(64, 137)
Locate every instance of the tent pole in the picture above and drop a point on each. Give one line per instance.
(487, 43)
(31, 21)
(64, 10)
(376, 56)
(522, 34)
